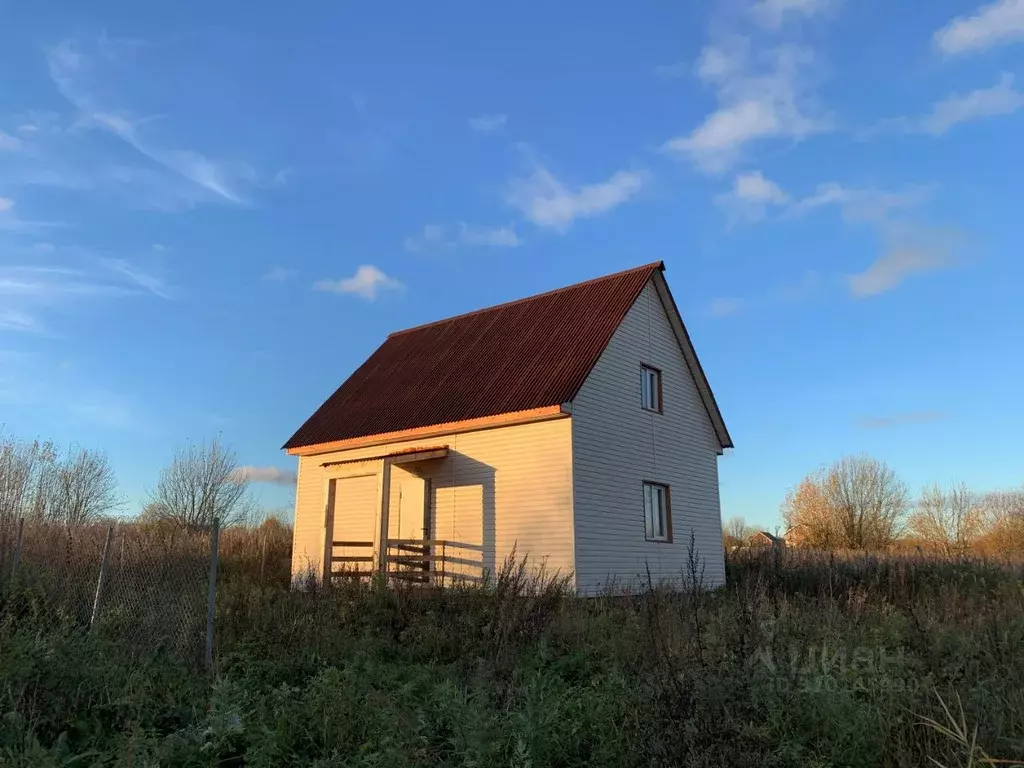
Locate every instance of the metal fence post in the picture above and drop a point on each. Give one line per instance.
(17, 546)
(211, 597)
(102, 578)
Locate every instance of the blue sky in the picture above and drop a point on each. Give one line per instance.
(210, 213)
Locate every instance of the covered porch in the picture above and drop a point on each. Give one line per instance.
(414, 515)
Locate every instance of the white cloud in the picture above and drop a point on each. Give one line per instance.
(87, 278)
(266, 475)
(159, 247)
(751, 196)
(501, 237)
(994, 24)
(548, 202)
(431, 236)
(437, 236)
(755, 188)
(488, 123)
(229, 181)
(726, 307)
(9, 143)
(10, 222)
(16, 320)
(57, 281)
(773, 13)
(760, 97)
(367, 282)
(145, 280)
(35, 122)
(863, 204)
(283, 176)
(278, 275)
(714, 143)
(73, 72)
(1000, 99)
(809, 284)
(717, 63)
(910, 250)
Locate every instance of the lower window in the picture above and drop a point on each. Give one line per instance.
(657, 512)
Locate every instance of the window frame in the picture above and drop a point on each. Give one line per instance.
(646, 369)
(649, 534)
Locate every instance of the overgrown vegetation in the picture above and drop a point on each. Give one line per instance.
(803, 660)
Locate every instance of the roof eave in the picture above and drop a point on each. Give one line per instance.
(435, 430)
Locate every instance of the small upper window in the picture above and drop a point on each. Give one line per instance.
(657, 512)
(650, 388)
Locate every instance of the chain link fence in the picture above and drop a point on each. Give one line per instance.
(146, 587)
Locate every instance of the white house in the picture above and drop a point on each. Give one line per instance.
(575, 427)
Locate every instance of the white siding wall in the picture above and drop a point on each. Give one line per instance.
(524, 472)
(617, 446)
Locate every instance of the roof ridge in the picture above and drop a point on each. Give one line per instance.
(651, 266)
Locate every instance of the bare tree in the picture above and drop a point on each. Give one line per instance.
(857, 503)
(869, 501)
(1004, 516)
(806, 510)
(949, 520)
(735, 532)
(17, 466)
(84, 488)
(38, 483)
(201, 483)
(26, 478)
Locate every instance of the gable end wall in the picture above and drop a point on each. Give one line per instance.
(617, 446)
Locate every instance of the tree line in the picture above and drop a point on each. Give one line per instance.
(40, 481)
(860, 503)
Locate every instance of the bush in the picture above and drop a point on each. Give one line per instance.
(801, 660)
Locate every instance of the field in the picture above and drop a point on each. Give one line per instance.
(802, 660)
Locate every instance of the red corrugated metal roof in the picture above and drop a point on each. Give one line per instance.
(526, 354)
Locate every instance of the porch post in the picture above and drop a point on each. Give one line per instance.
(385, 505)
(327, 566)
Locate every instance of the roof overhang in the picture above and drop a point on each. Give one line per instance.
(435, 430)
(407, 456)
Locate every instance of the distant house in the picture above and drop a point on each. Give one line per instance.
(575, 427)
(765, 539)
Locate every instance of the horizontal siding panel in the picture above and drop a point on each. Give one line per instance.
(308, 527)
(617, 446)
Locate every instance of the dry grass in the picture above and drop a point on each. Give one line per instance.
(803, 659)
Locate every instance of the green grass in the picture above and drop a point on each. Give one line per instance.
(801, 661)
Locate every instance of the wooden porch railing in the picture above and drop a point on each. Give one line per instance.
(434, 561)
(422, 561)
(352, 566)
